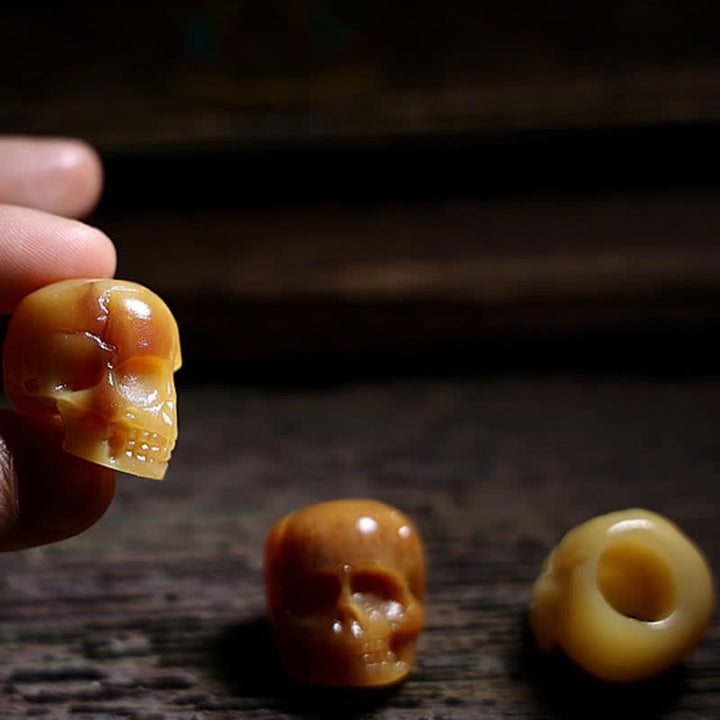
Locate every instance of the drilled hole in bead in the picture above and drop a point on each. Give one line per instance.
(636, 581)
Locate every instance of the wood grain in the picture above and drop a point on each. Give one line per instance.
(489, 251)
(297, 291)
(158, 611)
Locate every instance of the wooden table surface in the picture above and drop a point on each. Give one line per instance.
(158, 611)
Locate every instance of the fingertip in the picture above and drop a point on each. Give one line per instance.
(58, 175)
(79, 173)
(37, 248)
(94, 252)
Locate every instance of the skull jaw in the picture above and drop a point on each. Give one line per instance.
(347, 664)
(117, 445)
(98, 451)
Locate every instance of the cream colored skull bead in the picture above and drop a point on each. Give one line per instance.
(101, 354)
(345, 582)
(626, 595)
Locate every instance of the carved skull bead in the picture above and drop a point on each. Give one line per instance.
(101, 354)
(345, 583)
(626, 595)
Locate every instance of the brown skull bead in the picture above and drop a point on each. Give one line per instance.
(345, 582)
(101, 354)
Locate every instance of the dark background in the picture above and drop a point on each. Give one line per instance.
(461, 257)
(397, 185)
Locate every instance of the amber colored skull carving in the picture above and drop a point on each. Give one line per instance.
(345, 582)
(100, 353)
(626, 595)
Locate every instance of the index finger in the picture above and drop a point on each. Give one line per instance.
(61, 176)
(37, 248)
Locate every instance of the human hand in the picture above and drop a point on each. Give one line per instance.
(46, 494)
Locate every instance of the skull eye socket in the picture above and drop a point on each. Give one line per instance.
(376, 584)
(317, 594)
(76, 362)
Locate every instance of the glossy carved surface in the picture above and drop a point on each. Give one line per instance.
(345, 583)
(100, 353)
(626, 595)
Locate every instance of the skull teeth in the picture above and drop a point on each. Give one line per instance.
(379, 656)
(147, 446)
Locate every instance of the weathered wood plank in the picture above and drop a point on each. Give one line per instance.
(158, 611)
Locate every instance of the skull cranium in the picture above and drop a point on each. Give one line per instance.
(345, 582)
(625, 595)
(101, 354)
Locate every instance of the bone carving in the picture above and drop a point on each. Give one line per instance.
(101, 354)
(345, 582)
(626, 595)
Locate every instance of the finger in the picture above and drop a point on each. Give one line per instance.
(37, 248)
(46, 494)
(63, 177)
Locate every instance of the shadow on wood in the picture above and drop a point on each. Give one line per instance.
(568, 692)
(245, 660)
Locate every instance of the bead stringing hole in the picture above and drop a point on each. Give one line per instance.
(636, 581)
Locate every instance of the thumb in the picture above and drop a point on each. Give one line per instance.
(46, 494)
